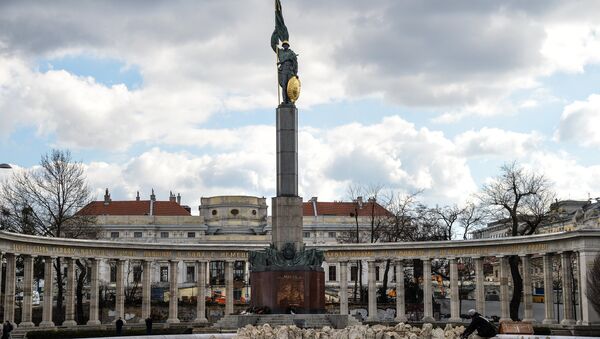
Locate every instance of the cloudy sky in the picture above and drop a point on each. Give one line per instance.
(180, 95)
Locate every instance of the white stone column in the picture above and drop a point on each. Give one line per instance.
(427, 292)
(201, 286)
(400, 305)
(343, 293)
(548, 290)
(527, 293)
(372, 292)
(146, 290)
(454, 297)
(504, 296)
(48, 292)
(567, 289)
(94, 292)
(27, 292)
(174, 292)
(579, 289)
(479, 286)
(589, 316)
(228, 287)
(120, 291)
(9, 295)
(70, 294)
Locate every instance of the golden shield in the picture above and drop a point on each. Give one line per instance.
(293, 88)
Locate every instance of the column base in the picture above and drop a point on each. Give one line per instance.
(69, 323)
(94, 322)
(173, 321)
(27, 324)
(47, 324)
(529, 320)
(428, 319)
(504, 320)
(549, 321)
(568, 322)
(201, 320)
(455, 320)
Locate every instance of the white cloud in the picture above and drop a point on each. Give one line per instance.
(497, 142)
(579, 122)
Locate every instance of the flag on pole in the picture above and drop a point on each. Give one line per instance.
(281, 32)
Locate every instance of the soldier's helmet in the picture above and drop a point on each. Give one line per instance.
(285, 42)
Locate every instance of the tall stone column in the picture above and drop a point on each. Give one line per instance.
(70, 294)
(579, 289)
(27, 292)
(120, 291)
(48, 293)
(427, 291)
(174, 292)
(589, 316)
(146, 289)
(343, 288)
(548, 290)
(479, 286)
(400, 305)
(527, 295)
(9, 294)
(567, 287)
(94, 292)
(504, 297)
(372, 292)
(201, 285)
(229, 287)
(454, 297)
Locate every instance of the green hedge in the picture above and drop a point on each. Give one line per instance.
(90, 333)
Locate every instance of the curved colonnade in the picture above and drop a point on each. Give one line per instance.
(581, 245)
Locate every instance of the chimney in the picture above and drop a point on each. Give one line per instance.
(171, 196)
(137, 197)
(359, 201)
(152, 196)
(178, 199)
(314, 203)
(107, 199)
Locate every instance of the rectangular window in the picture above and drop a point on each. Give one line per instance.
(137, 234)
(113, 273)
(114, 234)
(331, 234)
(164, 234)
(190, 274)
(88, 274)
(376, 273)
(137, 273)
(332, 273)
(191, 234)
(353, 273)
(217, 272)
(164, 274)
(306, 234)
(239, 269)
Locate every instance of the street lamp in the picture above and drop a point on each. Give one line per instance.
(5, 166)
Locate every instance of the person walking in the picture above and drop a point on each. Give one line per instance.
(7, 327)
(119, 326)
(484, 328)
(148, 325)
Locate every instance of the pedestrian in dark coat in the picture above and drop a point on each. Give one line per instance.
(484, 328)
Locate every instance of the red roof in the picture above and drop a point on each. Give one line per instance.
(344, 209)
(135, 207)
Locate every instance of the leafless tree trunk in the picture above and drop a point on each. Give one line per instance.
(81, 277)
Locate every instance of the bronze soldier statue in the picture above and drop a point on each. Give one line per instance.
(287, 62)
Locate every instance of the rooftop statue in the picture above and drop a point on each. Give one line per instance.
(287, 62)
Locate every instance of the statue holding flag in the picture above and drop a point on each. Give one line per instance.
(287, 62)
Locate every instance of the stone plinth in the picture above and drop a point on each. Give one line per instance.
(302, 290)
(287, 222)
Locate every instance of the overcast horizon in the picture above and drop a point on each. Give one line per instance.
(412, 95)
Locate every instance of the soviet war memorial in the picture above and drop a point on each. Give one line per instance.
(386, 169)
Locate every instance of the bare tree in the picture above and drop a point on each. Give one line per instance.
(522, 198)
(593, 292)
(45, 200)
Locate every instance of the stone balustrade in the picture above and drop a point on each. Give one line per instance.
(582, 246)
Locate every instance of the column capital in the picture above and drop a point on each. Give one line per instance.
(525, 255)
(203, 261)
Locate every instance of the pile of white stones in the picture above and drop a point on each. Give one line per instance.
(400, 331)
